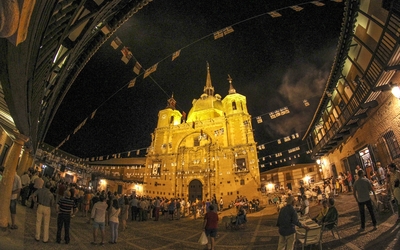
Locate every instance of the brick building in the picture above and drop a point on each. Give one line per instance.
(357, 120)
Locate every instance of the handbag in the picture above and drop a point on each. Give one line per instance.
(203, 239)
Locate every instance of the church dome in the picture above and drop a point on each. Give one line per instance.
(208, 105)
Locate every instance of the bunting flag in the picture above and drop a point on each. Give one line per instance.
(138, 152)
(126, 54)
(93, 114)
(218, 34)
(137, 68)
(223, 32)
(318, 3)
(274, 14)
(296, 8)
(150, 70)
(116, 43)
(306, 103)
(105, 29)
(259, 119)
(132, 83)
(176, 54)
(227, 30)
(129, 153)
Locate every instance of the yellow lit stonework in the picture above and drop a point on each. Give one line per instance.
(212, 152)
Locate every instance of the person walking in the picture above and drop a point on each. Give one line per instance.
(45, 200)
(16, 190)
(210, 226)
(99, 219)
(361, 189)
(287, 220)
(113, 221)
(64, 208)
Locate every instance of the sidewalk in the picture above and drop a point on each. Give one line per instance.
(260, 233)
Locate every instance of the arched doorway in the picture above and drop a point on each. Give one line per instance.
(195, 190)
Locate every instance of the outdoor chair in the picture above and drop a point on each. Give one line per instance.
(331, 226)
(312, 237)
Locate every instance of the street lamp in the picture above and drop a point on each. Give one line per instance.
(396, 91)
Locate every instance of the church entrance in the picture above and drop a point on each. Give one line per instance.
(195, 190)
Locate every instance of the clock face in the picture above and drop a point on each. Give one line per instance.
(164, 116)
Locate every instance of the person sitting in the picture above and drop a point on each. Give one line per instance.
(331, 217)
(322, 213)
(241, 216)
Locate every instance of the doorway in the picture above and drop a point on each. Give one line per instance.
(195, 190)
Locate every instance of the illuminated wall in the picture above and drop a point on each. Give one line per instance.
(214, 146)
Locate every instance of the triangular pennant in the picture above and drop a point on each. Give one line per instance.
(132, 83)
(150, 70)
(176, 54)
(93, 114)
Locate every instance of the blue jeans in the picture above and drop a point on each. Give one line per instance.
(361, 207)
(114, 231)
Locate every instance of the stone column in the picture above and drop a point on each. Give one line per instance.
(10, 166)
(23, 163)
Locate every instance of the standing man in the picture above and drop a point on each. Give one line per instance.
(99, 219)
(65, 208)
(157, 204)
(133, 204)
(221, 204)
(25, 180)
(361, 188)
(37, 184)
(45, 200)
(14, 197)
(381, 173)
(287, 220)
(210, 226)
(393, 176)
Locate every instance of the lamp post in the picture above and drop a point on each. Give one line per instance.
(396, 91)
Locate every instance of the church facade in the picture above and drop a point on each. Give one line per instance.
(211, 152)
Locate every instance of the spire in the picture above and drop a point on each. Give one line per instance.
(171, 102)
(208, 89)
(231, 89)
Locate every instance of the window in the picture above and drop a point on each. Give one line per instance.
(196, 142)
(288, 177)
(392, 144)
(234, 105)
(241, 165)
(241, 182)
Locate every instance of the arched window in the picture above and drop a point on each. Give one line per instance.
(234, 105)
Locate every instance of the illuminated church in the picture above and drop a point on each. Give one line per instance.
(210, 152)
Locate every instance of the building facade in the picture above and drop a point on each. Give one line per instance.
(292, 177)
(357, 121)
(211, 152)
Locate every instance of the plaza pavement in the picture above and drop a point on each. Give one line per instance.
(260, 233)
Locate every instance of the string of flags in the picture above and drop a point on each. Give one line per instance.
(279, 141)
(127, 55)
(279, 112)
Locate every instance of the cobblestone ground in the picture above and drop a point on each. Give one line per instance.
(260, 232)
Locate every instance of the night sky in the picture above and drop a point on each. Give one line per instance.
(274, 62)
